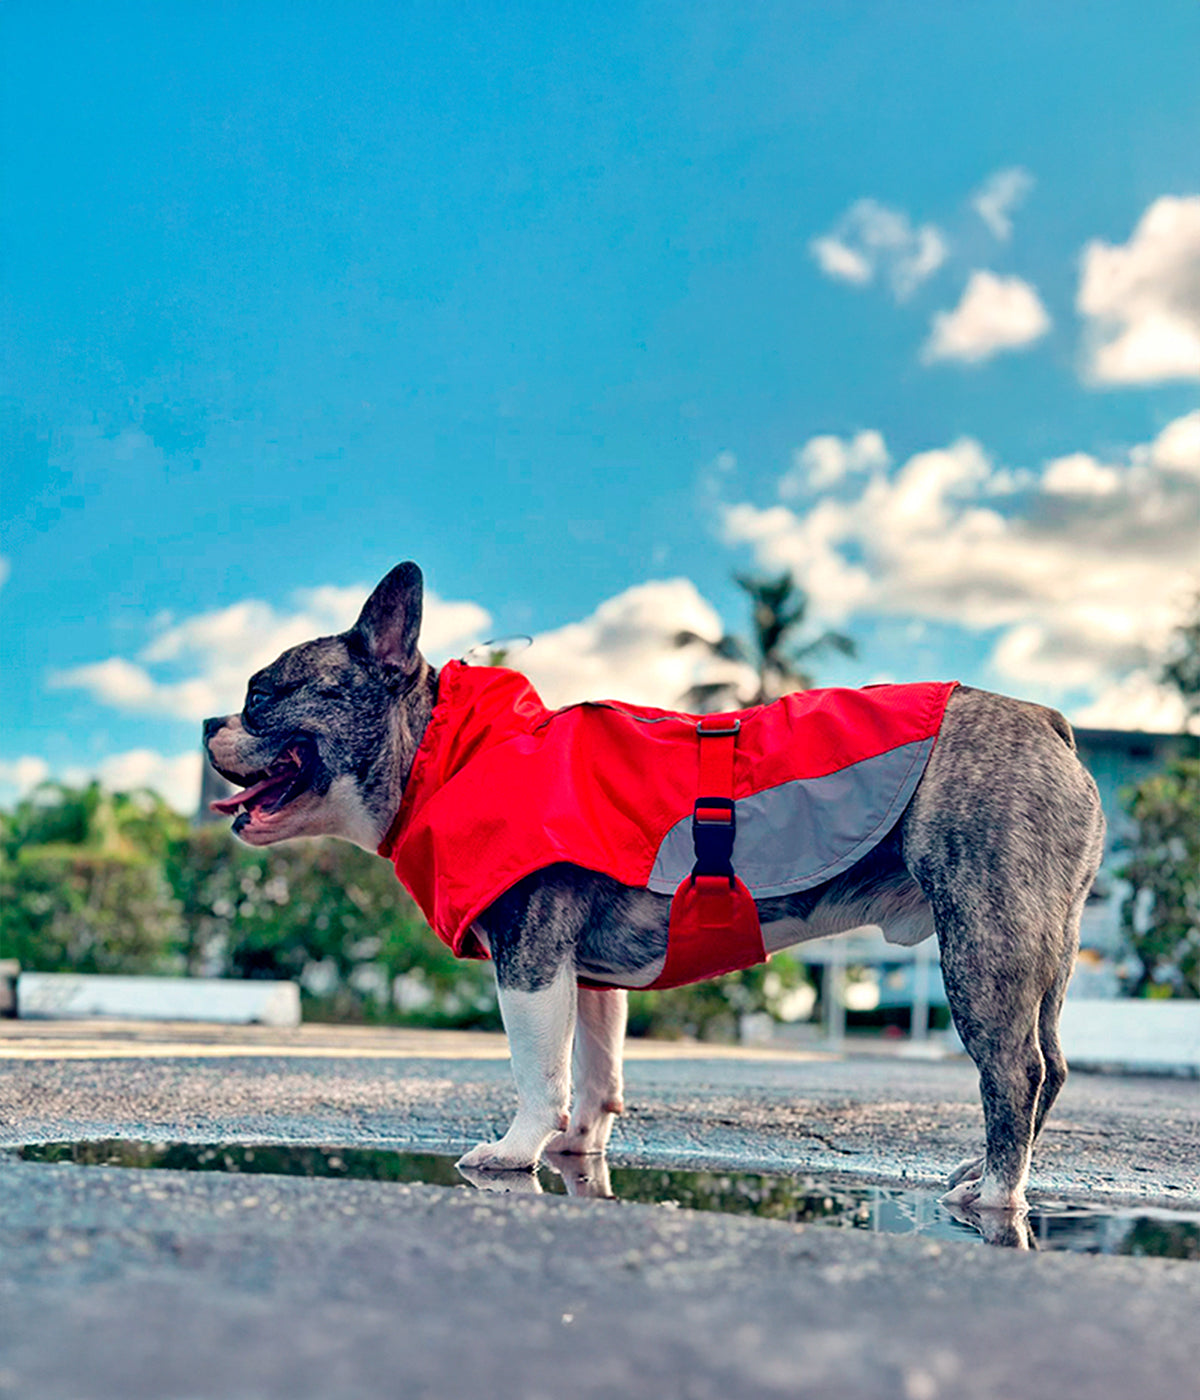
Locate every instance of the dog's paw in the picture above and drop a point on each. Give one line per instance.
(583, 1176)
(578, 1142)
(520, 1149)
(1007, 1229)
(984, 1193)
(505, 1183)
(498, 1157)
(588, 1132)
(970, 1170)
(585, 1139)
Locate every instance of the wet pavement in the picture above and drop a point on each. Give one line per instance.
(877, 1118)
(1059, 1225)
(179, 1282)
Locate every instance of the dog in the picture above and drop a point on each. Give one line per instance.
(994, 852)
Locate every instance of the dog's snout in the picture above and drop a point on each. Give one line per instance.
(211, 726)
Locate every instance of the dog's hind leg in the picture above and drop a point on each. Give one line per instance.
(1049, 1011)
(994, 1002)
(599, 1085)
(1003, 836)
(1051, 1007)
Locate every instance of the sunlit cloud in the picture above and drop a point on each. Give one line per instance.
(1080, 571)
(995, 314)
(871, 240)
(199, 666)
(999, 195)
(1141, 299)
(625, 649)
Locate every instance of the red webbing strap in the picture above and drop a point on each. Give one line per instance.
(714, 924)
(718, 738)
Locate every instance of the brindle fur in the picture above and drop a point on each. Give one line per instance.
(995, 853)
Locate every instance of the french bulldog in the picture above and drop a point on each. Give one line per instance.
(995, 853)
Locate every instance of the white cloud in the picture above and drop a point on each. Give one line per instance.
(998, 196)
(1080, 474)
(1142, 299)
(824, 461)
(449, 628)
(115, 682)
(176, 779)
(995, 314)
(21, 775)
(841, 263)
(1136, 701)
(871, 239)
(1176, 448)
(625, 649)
(217, 652)
(1083, 576)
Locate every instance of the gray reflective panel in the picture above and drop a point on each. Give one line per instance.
(802, 833)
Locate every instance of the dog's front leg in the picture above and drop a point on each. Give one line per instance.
(539, 1024)
(599, 1084)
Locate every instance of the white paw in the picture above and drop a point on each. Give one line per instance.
(588, 1132)
(499, 1157)
(520, 1149)
(984, 1193)
(970, 1170)
(585, 1139)
(523, 1183)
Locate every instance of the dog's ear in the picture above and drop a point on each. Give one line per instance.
(390, 622)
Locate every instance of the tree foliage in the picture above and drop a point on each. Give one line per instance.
(779, 610)
(1161, 910)
(92, 881)
(82, 886)
(327, 915)
(1161, 913)
(1181, 669)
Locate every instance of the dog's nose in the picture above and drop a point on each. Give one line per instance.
(211, 726)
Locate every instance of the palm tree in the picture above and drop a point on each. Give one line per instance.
(779, 607)
(1181, 669)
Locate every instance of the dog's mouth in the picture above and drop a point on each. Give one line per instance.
(267, 793)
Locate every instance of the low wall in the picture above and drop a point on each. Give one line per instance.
(1152, 1037)
(66, 995)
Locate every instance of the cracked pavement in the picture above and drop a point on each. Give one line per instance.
(174, 1284)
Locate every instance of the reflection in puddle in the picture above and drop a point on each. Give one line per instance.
(882, 1209)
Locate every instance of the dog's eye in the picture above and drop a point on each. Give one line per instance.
(256, 697)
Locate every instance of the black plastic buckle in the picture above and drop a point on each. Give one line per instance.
(713, 838)
(707, 731)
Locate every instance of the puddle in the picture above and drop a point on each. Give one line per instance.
(883, 1210)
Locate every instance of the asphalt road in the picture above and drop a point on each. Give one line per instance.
(161, 1284)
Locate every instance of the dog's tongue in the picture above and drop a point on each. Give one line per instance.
(228, 805)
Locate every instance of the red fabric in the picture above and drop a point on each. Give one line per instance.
(502, 786)
(714, 929)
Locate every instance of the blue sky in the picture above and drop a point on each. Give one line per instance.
(584, 308)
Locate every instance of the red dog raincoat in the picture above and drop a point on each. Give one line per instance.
(715, 811)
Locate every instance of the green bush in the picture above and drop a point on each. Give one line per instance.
(329, 916)
(713, 1010)
(1161, 912)
(69, 909)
